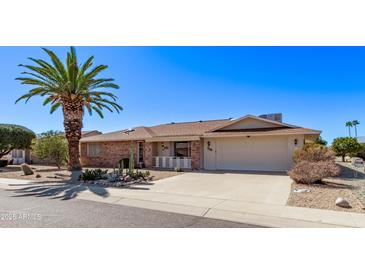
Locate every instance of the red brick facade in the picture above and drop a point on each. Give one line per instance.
(148, 154)
(110, 154)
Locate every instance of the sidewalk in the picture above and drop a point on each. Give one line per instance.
(257, 214)
(237, 211)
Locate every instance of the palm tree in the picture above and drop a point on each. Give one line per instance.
(349, 125)
(75, 88)
(355, 123)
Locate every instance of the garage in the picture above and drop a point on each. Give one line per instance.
(257, 153)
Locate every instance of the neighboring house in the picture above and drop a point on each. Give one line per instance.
(19, 156)
(88, 133)
(248, 143)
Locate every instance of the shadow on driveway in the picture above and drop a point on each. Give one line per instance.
(60, 190)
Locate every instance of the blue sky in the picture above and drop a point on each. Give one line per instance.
(315, 87)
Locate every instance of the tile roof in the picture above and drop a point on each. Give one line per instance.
(197, 128)
(164, 130)
(256, 132)
(139, 133)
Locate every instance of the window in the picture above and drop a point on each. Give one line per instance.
(16, 153)
(140, 152)
(182, 149)
(93, 150)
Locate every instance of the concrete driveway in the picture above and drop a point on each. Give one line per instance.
(264, 188)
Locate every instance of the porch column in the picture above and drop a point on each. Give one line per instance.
(148, 154)
(195, 154)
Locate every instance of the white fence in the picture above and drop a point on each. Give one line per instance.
(172, 162)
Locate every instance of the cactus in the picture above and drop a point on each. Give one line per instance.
(121, 166)
(131, 160)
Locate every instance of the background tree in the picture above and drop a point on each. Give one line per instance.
(349, 125)
(51, 145)
(74, 87)
(14, 137)
(345, 146)
(320, 141)
(355, 123)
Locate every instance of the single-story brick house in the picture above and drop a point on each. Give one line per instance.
(247, 143)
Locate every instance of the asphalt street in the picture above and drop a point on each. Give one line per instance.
(33, 211)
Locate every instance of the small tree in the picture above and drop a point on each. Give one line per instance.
(51, 145)
(14, 137)
(345, 146)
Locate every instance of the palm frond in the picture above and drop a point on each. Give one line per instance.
(55, 107)
(69, 82)
(57, 63)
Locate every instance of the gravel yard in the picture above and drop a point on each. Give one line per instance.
(324, 195)
(53, 174)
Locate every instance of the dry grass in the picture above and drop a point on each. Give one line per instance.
(324, 195)
(53, 174)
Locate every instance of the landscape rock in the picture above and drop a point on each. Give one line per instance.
(26, 169)
(38, 176)
(341, 202)
(301, 190)
(127, 178)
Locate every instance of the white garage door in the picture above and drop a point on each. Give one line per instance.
(254, 153)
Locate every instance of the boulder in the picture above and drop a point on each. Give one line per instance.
(38, 176)
(127, 178)
(26, 169)
(341, 202)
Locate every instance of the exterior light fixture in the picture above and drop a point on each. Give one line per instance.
(295, 141)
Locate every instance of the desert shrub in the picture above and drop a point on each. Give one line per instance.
(310, 172)
(313, 153)
(312, 163)
(3, 163)
(361, 153)
(93, 174)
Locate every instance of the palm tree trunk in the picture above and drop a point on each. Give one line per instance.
(349, 132)
(355, 131)
(73, 115)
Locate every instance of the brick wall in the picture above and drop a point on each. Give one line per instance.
(195, 154)
(148, 154)
(110, 154)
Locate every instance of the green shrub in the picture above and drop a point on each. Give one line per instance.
(3, 163)
(93, 174)
(139, 174)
